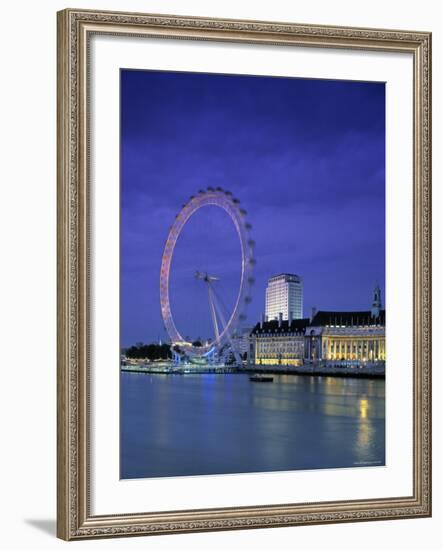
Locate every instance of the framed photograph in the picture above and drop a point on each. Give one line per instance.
(244, 293)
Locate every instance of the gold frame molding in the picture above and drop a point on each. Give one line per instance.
(74, 519)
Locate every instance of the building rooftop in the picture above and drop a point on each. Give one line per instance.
(347, 318)
(297, 325)
(322, 319)
(284, 276)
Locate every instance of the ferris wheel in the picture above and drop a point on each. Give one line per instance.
(224, 325)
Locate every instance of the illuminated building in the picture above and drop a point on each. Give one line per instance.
(328, 338)
(351, 336)
(284, 294)
(278, 342)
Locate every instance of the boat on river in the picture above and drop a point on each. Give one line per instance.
(261, 378)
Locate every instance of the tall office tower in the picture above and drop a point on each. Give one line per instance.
(284, 294)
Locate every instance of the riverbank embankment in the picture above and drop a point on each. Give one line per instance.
(306, 370)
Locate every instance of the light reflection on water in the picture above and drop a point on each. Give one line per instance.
(209, 424)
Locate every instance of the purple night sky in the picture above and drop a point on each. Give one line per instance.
(306, 158)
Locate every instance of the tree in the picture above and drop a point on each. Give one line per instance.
(149, 351)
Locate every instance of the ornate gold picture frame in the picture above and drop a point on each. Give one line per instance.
(74, 517)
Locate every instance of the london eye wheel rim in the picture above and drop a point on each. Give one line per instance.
(225, 201)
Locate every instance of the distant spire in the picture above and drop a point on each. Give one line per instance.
(376, 302)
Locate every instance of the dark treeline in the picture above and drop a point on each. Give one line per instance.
(149, 351)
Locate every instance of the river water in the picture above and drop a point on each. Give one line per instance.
(175, 425)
